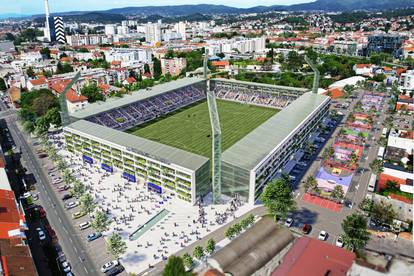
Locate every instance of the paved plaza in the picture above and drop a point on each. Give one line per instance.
(130, 206)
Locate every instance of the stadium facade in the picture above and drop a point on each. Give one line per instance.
(96, 135)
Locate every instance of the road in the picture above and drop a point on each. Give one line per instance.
(71, 244)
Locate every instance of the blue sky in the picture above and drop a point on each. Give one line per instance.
(36, 6)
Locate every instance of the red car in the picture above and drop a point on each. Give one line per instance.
(306, 229)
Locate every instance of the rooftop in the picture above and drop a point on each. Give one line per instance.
(9, 214)
(140, 145)
(263, 85)
(254, 147)
(309, 257)
(99, 107)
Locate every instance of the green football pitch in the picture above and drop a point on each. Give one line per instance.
(189, 128)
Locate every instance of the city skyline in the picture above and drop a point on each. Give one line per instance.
(29, 7)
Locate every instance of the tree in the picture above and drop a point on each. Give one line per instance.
(42, 126)
(366, 205)
(30, 73)
(87, 203)
(229, 233)
(188, 260)
(174, 267)
(210, 246)
(383, 213)
(116, 246)
(78, 189)
(355, 235)
(43, 103)
(376, 167)
(157, 68)
(53, 117)
(348, 89)
(328, 153)
(277, 197)
(100, 222)
(146, 68)
(311, 184)
(28, 126)
(198, 252)
(3, 86)
(338, 192)
(45, 52)
(92, 92)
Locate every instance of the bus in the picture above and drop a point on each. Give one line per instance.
(384, 132)
(381, 152)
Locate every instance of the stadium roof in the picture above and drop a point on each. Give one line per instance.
(255, 146)
(263, 85)
(140, 145)
(99, 107)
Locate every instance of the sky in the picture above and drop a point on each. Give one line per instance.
(28, 7)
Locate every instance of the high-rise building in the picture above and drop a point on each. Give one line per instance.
(153, 32)
(385, 43)
(47, 26)
(110, 29)
(181, 28)
(54, 29)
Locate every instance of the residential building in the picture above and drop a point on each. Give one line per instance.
(384, 43)
(173, 66)
(110, 29)
(407, 81)
(153, 33)
(363, 69)
(181, 29)
(37, 84)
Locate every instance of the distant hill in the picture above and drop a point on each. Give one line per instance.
(206, 9)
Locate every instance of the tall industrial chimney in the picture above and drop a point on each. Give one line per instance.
(47, 24)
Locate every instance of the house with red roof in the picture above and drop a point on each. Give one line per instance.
(129, 80)
(74, 100)
(363, 69)
(311, 257)
(40, 83)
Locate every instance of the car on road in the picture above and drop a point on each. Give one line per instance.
(115, 270)
(94, 236)
(78, 215)
(339, 242)
(306, 228)
(66, 197)
(66, 266)
(84, 225)
(71, 205)
(63, 188)
(41, 234)
(289, 222)
(323, 235)
(109, 265)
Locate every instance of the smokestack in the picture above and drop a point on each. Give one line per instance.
(47, 23)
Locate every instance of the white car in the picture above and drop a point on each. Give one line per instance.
(323, 235)
(109, 265)
(84, 225)
(41, 233)
(71, 205)
(289, 222)
(66, 266)
(339, 242)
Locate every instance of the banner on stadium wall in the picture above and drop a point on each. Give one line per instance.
(107, 168)
(87, 159)
(154, 187)
(129, 177)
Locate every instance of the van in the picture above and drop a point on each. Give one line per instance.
(84, 225)
(371, 183)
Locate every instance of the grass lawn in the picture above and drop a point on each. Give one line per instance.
(189, 129)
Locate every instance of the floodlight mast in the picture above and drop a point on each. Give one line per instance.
(216, 131)
(64, 112)
(316, 77)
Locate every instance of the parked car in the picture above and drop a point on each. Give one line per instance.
(41, 234)
(106, 267)
(94, 236)
(63, 188)
(71, 205)
(306, 229)
(78, 215)
(67, 196)
(289, 222)
(115, 270)
(339, 242)
(323, 235)
(66, 266)
(84, 225)
(42, 155)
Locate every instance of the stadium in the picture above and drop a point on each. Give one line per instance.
(163, 136)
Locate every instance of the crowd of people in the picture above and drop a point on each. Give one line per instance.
(148, 109)
(255, 98)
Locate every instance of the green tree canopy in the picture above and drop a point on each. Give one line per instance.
(92, 92)
(87, 203)
(116, 246)
(174, 267)
(100, 222)
(277, 197)
(355, 230)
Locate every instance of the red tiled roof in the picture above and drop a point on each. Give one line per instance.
(221, 63)
(384, 178)
(131, 80)
(116, 62)
(73, 97)
(360, 66)
(311, 257)
(39, 81)
(9, 215)
(336, 93)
